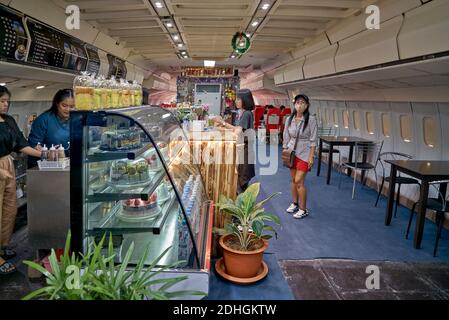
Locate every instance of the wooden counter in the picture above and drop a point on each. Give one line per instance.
(216, 153)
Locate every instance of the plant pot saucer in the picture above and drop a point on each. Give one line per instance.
(220, 268)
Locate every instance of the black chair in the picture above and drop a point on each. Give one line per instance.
(440, 206)
(327, 131)
(367, 155)
(400, 180)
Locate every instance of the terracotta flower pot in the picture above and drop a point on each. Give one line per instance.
(242, 264)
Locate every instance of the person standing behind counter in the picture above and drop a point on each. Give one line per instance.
(11, 140)
(245, 120)
(52, 127)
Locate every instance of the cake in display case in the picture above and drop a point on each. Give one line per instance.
(131, 176)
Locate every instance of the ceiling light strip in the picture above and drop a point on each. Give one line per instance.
(170, 27)
(260, 21)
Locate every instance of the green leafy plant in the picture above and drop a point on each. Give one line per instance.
(250, 217)
(103, 279)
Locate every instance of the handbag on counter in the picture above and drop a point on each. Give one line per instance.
(288, 155)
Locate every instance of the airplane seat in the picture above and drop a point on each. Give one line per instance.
(272, 121)
(258, 115)
(284, 116)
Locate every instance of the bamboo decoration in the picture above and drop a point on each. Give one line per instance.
(220, 175)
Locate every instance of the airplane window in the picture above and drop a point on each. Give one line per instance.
(370, 122)
(356, 116)
(386, 125)
(406, 128)
(346, 119)
(326, 113)
(429, 131)
(319, 117)
(335, 118)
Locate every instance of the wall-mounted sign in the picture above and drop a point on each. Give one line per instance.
(93, 64)
(117, 67)
(207, 72)
(13, 39)
(55, 49)
(29, 41)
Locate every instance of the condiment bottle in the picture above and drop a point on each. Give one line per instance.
(52, 155)
(61, 153)
(44, 153)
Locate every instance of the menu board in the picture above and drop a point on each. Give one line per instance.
(13, 39)
(53, 48)
(117, 67)
(93, 64)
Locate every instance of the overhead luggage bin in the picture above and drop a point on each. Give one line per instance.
(293, 71)
(320, 63)
(131, 72)
(104, 63)
(354, 25)
(370, 47)
(425, 30)
(279, 76)
(139, 75)
(318, 43)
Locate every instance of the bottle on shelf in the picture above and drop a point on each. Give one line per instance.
(52, 154)
(61, 153)
(97, 105)
(183, 237)
(115, 90)
(84, 93)
(44, 153)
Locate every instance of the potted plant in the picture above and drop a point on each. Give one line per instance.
(244, 240)
(99, 278)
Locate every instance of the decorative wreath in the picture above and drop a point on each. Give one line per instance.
(241, 43)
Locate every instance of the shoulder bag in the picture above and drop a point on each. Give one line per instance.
(288, 155)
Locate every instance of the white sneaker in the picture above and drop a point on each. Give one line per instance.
(301, 214)
(293, 208)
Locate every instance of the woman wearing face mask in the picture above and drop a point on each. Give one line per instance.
(11, 140)
(302, 126)
(52, 126)
(244, 120)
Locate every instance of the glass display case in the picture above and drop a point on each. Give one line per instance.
(132, 176)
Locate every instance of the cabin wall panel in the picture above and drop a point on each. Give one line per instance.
(421, 110)
(425, 30)
(369, 47)
(417, 147)
(443, 111)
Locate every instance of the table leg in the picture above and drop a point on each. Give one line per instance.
(351, 154)
(365, 156)
(391, 188)
(331, 161)
(320, 153)
(421, 215)
(443, 190)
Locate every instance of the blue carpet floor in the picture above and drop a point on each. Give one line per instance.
(337, 227)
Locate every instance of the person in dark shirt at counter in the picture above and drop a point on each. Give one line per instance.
(11, 140)
(52, 127)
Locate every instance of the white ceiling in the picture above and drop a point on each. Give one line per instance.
(207, 27)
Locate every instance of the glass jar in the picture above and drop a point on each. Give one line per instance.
(138, 94)
(126, 92)
(105, 92)
(97, 105)
(115, 93)
(132, 96)
(84, 92)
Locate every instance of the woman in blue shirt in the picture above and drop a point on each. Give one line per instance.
(52, 126)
